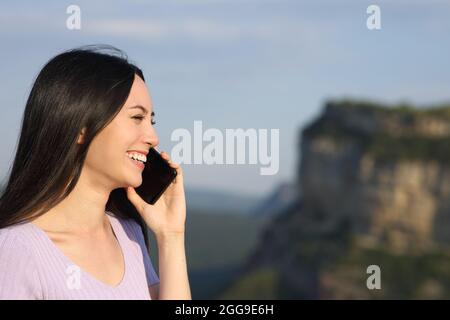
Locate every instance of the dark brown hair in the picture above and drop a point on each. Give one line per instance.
(81, 88)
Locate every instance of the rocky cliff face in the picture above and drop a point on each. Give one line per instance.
(375, 187)
(384, 170)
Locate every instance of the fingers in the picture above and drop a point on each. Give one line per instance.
(135, 199)
(167, 158)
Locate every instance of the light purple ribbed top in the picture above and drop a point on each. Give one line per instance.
(33, 267)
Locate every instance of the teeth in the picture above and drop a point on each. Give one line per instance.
(137, 156)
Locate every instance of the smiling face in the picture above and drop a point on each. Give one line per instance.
(132, 129)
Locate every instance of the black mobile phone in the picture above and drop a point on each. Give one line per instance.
(156, 177)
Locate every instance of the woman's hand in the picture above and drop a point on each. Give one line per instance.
(168, 215)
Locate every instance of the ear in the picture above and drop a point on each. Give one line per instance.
(81, 136)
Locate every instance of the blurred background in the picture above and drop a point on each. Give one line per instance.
(364, 120)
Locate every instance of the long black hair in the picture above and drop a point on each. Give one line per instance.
(83, 88)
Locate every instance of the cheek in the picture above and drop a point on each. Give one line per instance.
(107, 154)
(111, 147)
(112, 164)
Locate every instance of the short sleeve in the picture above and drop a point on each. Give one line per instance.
(19, 278)
(152, 277)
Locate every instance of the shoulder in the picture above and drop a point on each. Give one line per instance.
(18, 272)
(13, 237)
(16, 245)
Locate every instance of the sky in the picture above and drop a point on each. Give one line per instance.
(250, 64)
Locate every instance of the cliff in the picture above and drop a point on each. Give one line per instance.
(385, 170)
(375, 189)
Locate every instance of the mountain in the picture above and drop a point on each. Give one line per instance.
(217, 244)
(215, 201)
(284, 196)
(375, 190)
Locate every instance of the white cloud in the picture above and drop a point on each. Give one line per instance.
(200, 29)
(209, 30)
(128, 27)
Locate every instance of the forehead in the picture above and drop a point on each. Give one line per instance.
(139, 95)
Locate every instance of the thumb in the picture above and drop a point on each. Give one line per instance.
(135, 199)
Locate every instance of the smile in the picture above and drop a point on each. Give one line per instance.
(139, 163)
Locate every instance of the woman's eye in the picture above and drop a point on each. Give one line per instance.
(141, 117)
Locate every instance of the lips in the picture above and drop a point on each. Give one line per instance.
(138, 151)
(137, 156)
(137, 163)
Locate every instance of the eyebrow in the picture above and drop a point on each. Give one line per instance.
(142, 108)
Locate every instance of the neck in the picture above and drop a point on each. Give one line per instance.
(82, 211)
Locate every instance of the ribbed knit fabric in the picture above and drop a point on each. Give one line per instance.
(33, 267)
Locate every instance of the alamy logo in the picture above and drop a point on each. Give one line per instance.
(374, 280)
(73, 280)
(73, 22)
(229, 149)
(374, 20)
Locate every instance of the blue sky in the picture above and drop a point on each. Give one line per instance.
(237, 64)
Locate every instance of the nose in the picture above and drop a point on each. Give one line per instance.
(151, 137)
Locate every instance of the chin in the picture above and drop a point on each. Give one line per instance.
(135, 182)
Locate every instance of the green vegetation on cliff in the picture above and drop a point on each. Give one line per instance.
(404, 109)
(380, 144)
(403, 276)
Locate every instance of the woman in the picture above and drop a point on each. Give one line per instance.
(71, 223)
